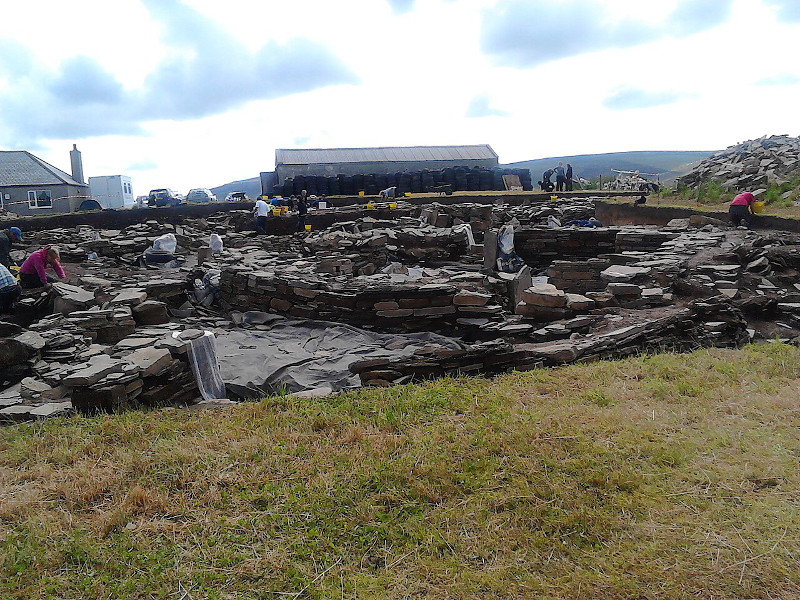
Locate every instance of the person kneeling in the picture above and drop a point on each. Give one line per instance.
(9, 290)
(33, 272)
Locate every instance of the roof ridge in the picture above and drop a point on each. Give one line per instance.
(62, 175)
(392, 147)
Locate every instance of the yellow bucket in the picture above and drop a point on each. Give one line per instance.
(392, 205)
(758, 207)
(308, 227)
(408, 194)
(284, 210)
(370, 206)
(360, 194)
(276, 212)
(553, 198)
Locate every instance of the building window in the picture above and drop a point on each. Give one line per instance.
(40, 199)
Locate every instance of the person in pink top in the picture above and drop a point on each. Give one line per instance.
(741, 209)
(33, 272)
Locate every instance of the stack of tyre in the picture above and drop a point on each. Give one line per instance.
(459, 178)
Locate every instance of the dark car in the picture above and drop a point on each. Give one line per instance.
(237, 197)
(163, 197)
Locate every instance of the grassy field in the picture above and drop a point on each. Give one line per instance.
(673, 476)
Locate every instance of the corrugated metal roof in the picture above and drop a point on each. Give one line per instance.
(301, 156)
(20, 167)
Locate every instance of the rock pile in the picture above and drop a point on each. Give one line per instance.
(750, 166)
(707, 323)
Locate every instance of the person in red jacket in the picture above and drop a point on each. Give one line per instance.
(32, 274)
(741, 209)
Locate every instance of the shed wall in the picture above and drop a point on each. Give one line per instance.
(367, 168)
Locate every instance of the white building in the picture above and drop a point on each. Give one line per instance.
(112, 191)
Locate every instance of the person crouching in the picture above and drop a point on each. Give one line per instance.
(741, 209)
(9, 290)
(33, 273)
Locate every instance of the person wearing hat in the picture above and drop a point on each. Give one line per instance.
(7, 238)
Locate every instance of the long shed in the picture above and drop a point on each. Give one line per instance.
(291, 162)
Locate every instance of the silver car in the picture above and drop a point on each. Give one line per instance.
(200, 195)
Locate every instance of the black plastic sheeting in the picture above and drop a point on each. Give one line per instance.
(307, 356)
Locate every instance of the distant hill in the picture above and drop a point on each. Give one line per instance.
(671, 164)
(251, 187)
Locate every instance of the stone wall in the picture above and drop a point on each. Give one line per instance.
(540, 246)
(707, 323)
(401, 307)
(578, 277)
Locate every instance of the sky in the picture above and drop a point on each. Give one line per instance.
(198, 93)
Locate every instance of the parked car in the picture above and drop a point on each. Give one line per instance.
(200, 195)
(163, 197)
(237, 197)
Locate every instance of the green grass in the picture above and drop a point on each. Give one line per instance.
(711, 194)
(672, 476)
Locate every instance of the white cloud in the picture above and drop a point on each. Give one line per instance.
(417, 73)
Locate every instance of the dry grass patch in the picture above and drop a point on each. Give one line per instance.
(673, 476)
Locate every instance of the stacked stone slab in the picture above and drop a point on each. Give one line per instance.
(400, 307)
(155, 374)
(545, 302)
(708, 323)
(641, 239)
(751, 165)
(485, 358)
(478, 216)
(578, 277)
(540, 246)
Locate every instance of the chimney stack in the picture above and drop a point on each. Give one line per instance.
(77, 164)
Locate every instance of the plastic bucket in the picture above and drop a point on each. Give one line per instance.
(308, 227)
(284, 210)
(370, 206)
(360, 194)
(408, 194)
(553, 198)
(758, 207)
(392, 205)
(276, 212)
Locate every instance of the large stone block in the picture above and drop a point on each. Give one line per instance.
(546, 295)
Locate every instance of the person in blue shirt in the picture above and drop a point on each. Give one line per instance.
(561, 178)
(10, 289)
(7, 238)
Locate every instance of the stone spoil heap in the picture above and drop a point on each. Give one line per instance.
(750, 166)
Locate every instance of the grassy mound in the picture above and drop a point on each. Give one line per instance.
(674, 476)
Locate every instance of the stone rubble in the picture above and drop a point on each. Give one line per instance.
(104, 340)
(750, 166)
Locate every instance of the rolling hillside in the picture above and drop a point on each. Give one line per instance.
(671, 164)
(251, 187)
